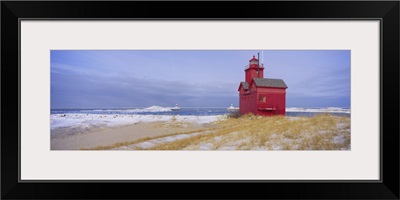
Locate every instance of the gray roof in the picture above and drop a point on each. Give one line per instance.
(269, 82)
(245, 85)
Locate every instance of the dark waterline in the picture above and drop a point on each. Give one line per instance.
(183, 111)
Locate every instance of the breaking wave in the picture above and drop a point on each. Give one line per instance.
(137, 110)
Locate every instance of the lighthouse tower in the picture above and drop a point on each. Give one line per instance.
(259, 95)
(254, 70)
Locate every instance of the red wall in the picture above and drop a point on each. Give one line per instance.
(249, 102)
(275, 101)
(251, 73)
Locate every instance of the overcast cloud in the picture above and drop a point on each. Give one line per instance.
(192, 78)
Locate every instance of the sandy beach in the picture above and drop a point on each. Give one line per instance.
(76, 139)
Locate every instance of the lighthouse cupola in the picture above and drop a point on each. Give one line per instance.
(254, 70)
(253, 62)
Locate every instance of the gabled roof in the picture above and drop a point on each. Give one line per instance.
(269, 82)
(245, 85)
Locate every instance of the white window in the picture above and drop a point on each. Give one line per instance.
(262, 98)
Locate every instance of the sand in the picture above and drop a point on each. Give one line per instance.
(77, 139)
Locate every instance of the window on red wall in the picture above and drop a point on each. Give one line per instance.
(262, 98)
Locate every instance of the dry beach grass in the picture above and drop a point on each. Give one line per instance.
(248, 132)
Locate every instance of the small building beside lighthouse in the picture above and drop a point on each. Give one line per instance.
(259, 95)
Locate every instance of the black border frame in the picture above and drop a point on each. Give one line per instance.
(204, 19)
(386, 11)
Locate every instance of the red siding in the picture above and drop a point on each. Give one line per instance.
(250, 73)
(274, 99)
(275, 102)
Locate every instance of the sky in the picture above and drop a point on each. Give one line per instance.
(193, 78)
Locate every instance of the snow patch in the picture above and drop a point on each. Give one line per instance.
(92, 120)
(227, 148)
(340, 139)
(342, 125)
(206, 146)
(154, 142)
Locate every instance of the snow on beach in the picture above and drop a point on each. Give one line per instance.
(89, 118)
(193, 129)
(191, 125)
(322, 132)
(154, 142)
(95, 120)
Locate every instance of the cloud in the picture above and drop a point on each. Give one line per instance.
(191, 78)
(81, 87)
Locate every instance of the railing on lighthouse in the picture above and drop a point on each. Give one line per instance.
(248, 66)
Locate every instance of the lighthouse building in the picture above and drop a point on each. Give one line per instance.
(259, 95)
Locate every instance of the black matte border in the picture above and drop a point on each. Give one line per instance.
(387, 11)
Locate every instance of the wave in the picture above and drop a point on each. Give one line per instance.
(322, 110)
(137, 110)
(160, 110)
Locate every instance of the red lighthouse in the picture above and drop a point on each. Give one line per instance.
(259, 95)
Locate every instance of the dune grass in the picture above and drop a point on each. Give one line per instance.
(128, 143)
(251, 132)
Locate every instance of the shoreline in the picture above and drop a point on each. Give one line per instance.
(249, 132)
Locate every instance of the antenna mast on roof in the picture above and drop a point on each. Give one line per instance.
(262, 56)
(258, 69)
